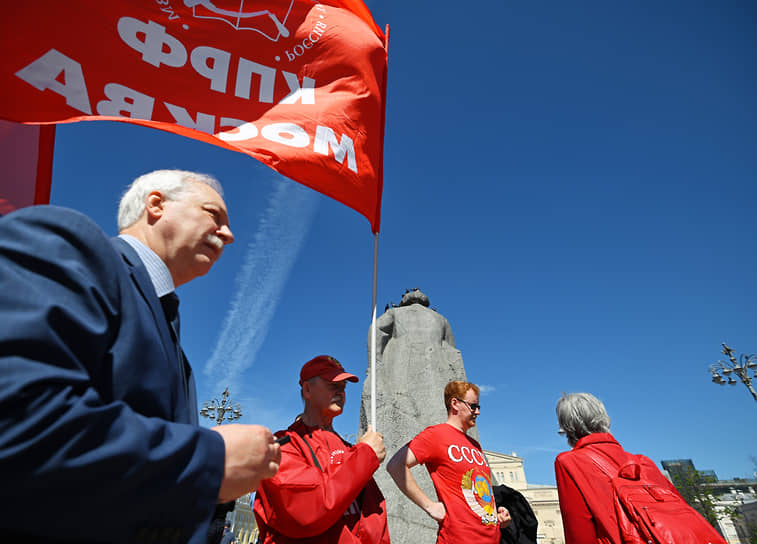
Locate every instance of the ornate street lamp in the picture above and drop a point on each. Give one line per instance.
(735, 367)
(221, 410)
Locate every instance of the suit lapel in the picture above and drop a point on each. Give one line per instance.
(142, 282)
(173, 352)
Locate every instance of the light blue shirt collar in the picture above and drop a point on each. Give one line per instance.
(156, 268)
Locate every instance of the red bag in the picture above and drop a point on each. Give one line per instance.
(647, 512)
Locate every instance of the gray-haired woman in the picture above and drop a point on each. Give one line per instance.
(586, 495)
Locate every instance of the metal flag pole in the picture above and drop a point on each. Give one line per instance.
(375, 251)
(373, 332)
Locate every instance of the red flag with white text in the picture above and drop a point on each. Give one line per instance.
(298, 84)
(26, 153)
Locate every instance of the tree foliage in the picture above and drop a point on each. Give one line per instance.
(692, 486)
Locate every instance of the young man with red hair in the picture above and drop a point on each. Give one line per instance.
(466, 511)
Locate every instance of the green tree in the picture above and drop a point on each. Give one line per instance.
(692, 485)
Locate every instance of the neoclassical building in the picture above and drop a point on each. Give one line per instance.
(508, 470)
(243, 521)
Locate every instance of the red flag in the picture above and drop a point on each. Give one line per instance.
(298, 84)
(26, 153)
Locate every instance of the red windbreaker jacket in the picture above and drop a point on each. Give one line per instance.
(324, 492)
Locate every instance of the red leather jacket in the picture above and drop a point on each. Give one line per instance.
(586, 505)
(324, 492)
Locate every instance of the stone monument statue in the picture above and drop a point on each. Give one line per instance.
(415, 358)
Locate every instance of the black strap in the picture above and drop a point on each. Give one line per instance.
(315, 460)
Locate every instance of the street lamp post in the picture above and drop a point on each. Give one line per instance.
(739, 367)
(221, 410)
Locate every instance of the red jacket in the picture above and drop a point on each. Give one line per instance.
(586, 504)
(336, 503)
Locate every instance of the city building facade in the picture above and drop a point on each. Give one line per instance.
(243, 520)
(508, 470)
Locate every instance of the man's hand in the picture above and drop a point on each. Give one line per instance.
(503, 517)
(251, 456)
(437, 511)
(376, 441)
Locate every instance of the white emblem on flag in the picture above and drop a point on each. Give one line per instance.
(265, 22)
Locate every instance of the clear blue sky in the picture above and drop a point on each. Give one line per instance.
(572, 184)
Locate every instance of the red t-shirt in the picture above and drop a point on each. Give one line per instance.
(463, 484)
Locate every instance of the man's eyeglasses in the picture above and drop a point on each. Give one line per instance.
(561, 431)
(472, 405)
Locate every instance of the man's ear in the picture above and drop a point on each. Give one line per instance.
(306, 390)
(154, 205)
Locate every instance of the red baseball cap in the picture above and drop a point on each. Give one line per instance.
(327, 368)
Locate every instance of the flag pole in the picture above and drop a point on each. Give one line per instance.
(375, 228)
(375, 248)
(373, 332)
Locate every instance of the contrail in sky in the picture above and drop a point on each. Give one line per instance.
(269, 259)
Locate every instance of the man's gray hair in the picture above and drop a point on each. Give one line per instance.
(172, 184)
(581, 414)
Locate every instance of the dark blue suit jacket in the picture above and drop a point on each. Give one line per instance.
(98, 434)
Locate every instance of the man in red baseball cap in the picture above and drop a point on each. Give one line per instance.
(326, 367)
(324, 490)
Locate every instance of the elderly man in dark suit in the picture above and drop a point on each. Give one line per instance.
(98, 415)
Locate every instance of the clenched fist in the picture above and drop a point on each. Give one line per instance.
(376, 441)
(251, 456)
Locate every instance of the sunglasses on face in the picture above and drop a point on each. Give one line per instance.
(472, 405)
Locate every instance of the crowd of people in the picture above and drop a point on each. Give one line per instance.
(99, 437)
